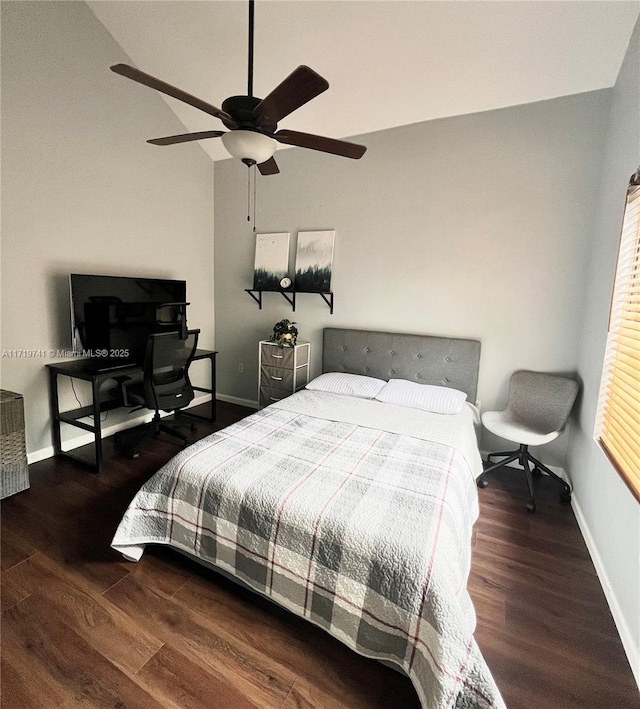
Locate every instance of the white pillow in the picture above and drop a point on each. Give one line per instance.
(348, 384)
(439, 400)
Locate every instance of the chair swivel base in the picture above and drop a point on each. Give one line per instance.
(524, 458)
(129, 448)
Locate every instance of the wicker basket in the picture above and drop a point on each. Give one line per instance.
(14, 471)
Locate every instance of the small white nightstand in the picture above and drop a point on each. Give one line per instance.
(283, 370)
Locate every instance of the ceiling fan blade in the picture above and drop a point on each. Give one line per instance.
(142, 78)
(186, 137)
(298, 88)
(269, 167)
(319, 142)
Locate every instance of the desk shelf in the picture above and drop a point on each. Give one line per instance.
(80, 369)
(290, 296)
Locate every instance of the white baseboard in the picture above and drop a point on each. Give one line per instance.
(628, 642)
(85, 438)
(237, 400)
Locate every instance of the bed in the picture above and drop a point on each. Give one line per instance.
(352, 512)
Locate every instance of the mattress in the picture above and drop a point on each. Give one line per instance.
(353, 514)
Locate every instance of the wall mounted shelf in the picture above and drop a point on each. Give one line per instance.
(290, 297)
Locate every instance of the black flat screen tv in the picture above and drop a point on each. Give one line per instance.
(113, 316)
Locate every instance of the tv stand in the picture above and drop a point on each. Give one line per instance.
(82, 369)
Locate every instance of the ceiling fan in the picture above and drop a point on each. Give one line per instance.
(253, 122)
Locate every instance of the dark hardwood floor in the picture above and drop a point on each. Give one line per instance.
(82, 627)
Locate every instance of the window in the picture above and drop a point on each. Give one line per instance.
(618, 420)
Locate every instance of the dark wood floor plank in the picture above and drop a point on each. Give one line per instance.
(550, 559)
(565, 583)
(250, 673)
(373, 687)
(490, 607)
(502, 512)
(568, 545)
(558, 625)
(14, 548)
(42, 649)
(521, 665)
(80, 543)
(166, 576)
(485, 583)
(304, 695)
(179, 683)
(121, 639)
(9, 595)
(26, 683)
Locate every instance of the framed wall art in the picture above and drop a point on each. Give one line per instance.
(272, 260)
(314, 261)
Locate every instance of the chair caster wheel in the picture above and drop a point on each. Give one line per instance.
(482, 482)
(121, 447)
(129, 453)
(565, 497)
(531, 507)
(536, 472)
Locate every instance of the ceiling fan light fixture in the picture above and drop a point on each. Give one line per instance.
(249, 145)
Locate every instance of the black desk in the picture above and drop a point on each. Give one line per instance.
(77, 369)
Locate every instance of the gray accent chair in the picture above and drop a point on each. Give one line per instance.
(536, 413)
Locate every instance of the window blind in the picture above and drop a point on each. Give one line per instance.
(618, 419)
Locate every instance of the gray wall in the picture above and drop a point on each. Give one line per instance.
(608, 512)
(475, 226)
(83, 192)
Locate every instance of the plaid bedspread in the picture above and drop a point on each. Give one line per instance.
(362, 531)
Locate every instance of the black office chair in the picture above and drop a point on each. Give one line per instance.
(165, 386)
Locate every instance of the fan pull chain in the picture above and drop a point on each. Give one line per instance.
(249, 204)
(249, 195)
(255, 181)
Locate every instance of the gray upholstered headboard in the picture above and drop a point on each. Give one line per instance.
(445, 361)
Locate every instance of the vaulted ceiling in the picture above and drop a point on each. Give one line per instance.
(388, 62)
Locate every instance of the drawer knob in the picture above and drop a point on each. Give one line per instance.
(278, 379)
(273, 398)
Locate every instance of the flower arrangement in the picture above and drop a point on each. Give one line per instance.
(285, 333)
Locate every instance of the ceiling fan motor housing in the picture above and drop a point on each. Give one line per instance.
(240, 108)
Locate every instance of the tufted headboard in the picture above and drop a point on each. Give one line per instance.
(425, 359)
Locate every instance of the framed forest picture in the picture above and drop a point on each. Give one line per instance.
(272, 260)
(314, 260)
